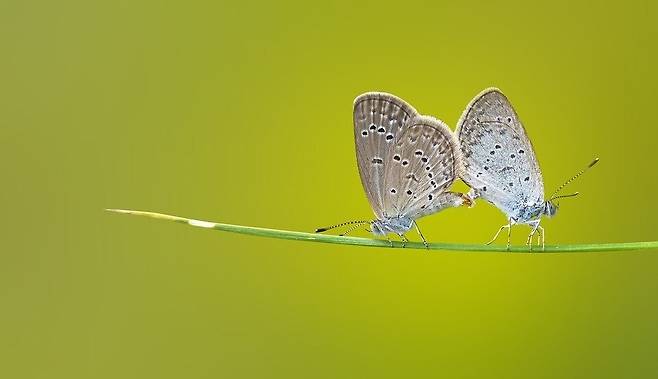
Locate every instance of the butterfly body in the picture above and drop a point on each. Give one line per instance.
(529, 213)
(397, 225)
(524, 211)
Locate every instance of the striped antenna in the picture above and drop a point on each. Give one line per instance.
(320, 230)
(563, 196)
(553, 197)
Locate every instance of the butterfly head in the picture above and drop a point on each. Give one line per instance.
(378, 228)
(550, 208)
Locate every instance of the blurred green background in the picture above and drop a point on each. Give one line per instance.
(241, 113)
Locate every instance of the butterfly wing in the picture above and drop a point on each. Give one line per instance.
(498, 157)
(424, 164)
(378, 119)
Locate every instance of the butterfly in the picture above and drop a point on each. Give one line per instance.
(406, 161)
(500, 164)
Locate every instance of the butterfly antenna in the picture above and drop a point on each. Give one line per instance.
(553, 197)
(320, 230)
(563, 196)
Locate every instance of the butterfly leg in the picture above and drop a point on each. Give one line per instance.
(471, 196)
(404, 240)
(509, 233)
(427, 246)
(541, 234)
(535, 226)
(495, 237)
(540, 237)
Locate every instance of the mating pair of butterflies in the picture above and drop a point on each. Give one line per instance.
(408, 161)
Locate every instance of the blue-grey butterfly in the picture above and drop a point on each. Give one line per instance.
(500, 164)
(406, 162)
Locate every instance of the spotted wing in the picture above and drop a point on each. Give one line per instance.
(378, 119)
(424, 164)
(498, 157)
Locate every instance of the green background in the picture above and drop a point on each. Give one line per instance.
(241, 113)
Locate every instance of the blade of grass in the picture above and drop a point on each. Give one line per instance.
(357, 241)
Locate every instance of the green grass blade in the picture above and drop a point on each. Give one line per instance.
(357, 241)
